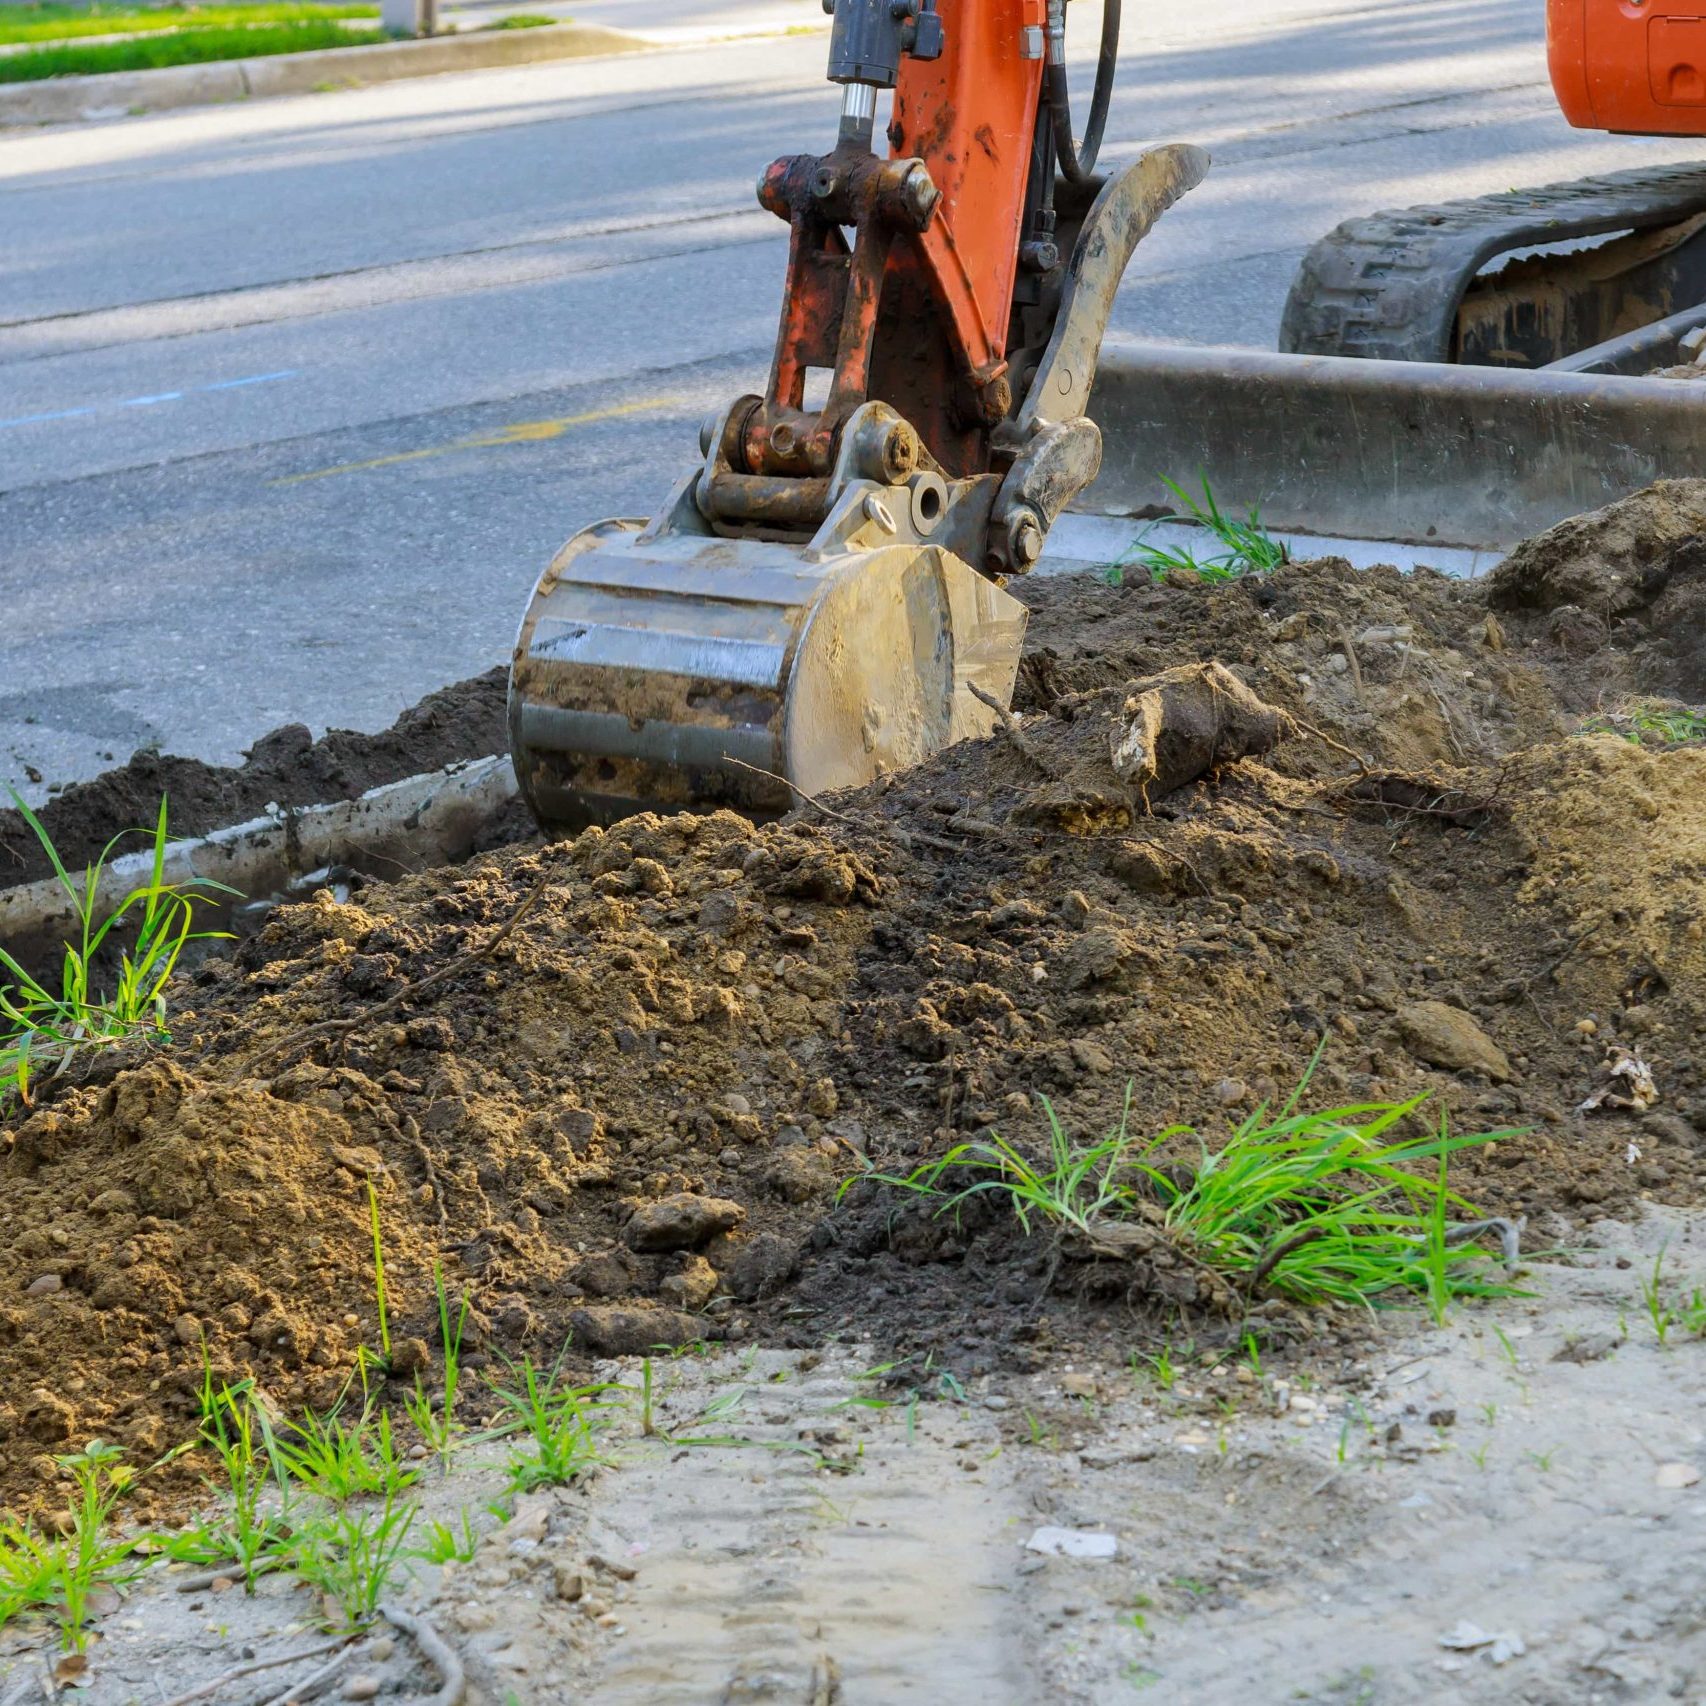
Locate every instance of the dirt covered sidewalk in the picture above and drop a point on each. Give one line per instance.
(612, 1085)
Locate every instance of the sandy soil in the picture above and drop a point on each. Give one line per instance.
(612, 1087)
(1484, 1512)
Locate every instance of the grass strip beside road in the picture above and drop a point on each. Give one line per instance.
(51, 20)
(195, 46)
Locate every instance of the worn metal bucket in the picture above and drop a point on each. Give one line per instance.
(661, 671)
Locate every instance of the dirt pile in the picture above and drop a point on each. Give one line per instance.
(287, 767)
(629, 1118)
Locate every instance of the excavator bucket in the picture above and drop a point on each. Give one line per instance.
(654, 672)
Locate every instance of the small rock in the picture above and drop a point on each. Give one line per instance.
(764, 1266)
(1590, 1347)
(186, 1329)
(1468, 1637)
(1091, 1056)
(532, 1513)
(723, 912)
(850, 1132)
(361, 1686)
(1676, 1475)
(42, 1284)
(1447, 1037)
(613, 1331)
(569, 1582)
(1669, 1127)
(382, 1649)
(693, 1287)
(1637, 1021)
(430, 1033)
(409, 1357)
(362, 1160)
(49, 1418)
(608, 1274)
(681, 1222)
(797, 1175)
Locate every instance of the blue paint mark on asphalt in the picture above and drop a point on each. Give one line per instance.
(148, 402)
(253, 379)
(57, 415)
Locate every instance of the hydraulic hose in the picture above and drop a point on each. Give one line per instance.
(1077, 161)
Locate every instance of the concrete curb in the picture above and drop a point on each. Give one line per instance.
(59, 100)
(434, 819)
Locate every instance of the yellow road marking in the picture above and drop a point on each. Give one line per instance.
(522, 432)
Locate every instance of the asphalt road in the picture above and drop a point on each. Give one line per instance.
(297, 397)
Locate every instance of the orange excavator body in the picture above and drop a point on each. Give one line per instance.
(1638, 69)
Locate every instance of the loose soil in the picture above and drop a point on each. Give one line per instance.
(629, 1119)
(287, 767)
(1328, 1522)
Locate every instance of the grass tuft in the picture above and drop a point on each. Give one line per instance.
(1652, 722)
(349, 1558)
(561, 1424)
(1320, 1207)
(251, 1528)
(42, 1031)
(1247, 546)
(342, 1460)
(439, 1428)
(60, 1573)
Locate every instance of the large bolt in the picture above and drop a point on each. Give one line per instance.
(900, 452)
(1025, 541)
(919, 194)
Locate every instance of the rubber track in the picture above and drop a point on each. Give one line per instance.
(1388, 285)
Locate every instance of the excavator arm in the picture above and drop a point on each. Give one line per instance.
(822, 598)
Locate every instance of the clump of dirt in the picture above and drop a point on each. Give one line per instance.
(1413, 668)
(288, 767)
(1623, 590)
(625, 1113)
